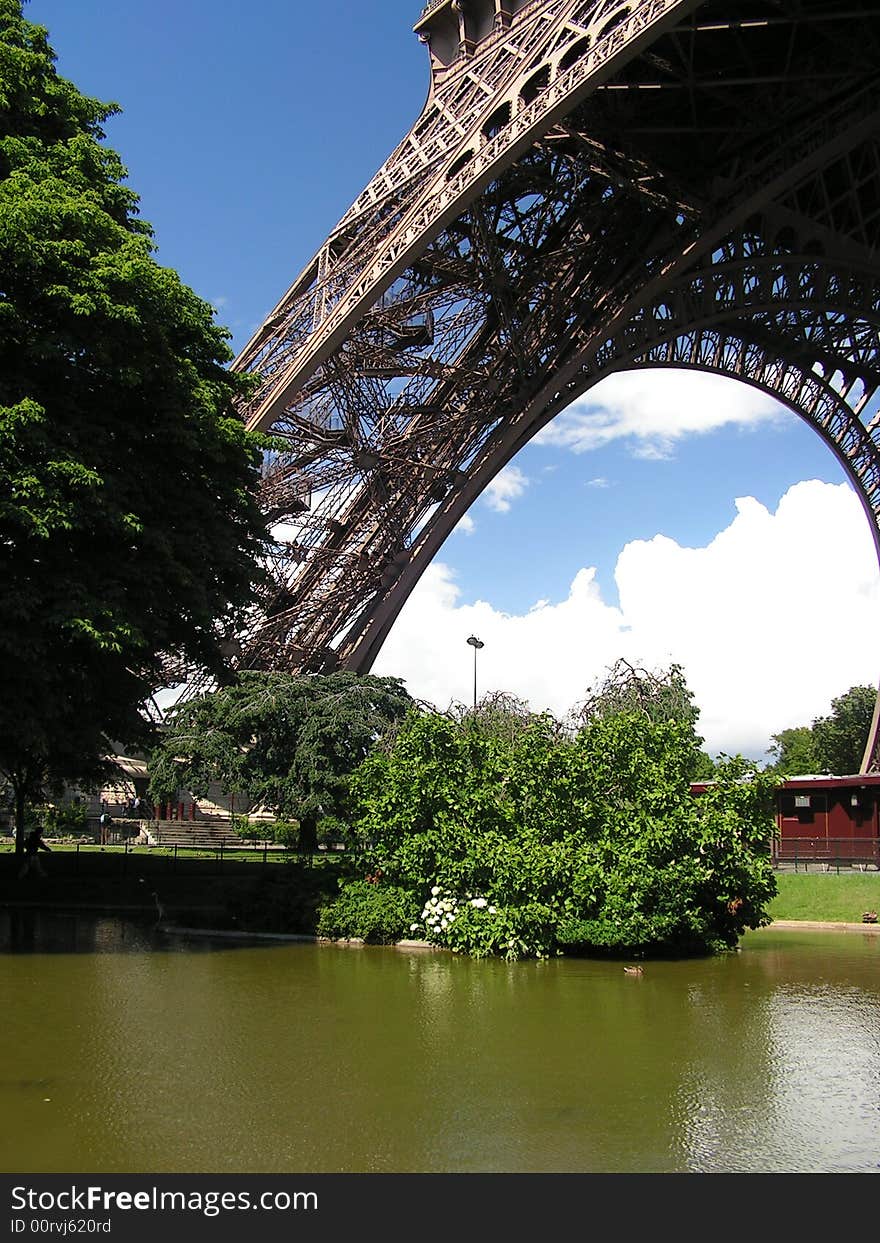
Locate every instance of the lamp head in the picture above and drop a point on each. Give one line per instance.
(475, 642)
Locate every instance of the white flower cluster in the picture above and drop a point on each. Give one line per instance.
(441, 910)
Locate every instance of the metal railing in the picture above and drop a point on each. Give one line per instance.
(122, 857)
(826, 854)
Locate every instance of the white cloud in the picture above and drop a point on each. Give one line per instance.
(465, 525)
(774, 617)
(653, 409)
(599, 482)
(507, 486)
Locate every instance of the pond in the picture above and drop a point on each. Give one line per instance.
(125, 1049)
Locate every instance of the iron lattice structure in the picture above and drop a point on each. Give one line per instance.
(591, 186)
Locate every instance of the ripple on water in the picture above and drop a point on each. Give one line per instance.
(163, 1056)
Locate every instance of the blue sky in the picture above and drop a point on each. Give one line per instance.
(248, 129)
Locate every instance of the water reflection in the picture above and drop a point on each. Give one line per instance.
(26, 930)
(295, 1057)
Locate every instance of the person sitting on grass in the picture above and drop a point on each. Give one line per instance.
(32, 844)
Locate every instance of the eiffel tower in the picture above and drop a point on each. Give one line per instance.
(592, 186)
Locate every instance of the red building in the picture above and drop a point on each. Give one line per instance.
(829, 819)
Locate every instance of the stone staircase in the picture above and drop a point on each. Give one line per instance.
(202, 834)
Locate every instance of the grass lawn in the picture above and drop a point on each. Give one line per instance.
(826, 896)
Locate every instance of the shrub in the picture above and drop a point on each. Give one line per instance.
(543, 842)
(331, 830)
(378, 914)
(476, 926)
(284, 833)
(247, 829)
(64, 820)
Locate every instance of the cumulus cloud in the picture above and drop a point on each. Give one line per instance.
(771, 619)
(506, 487)
(653, 409)
(465, 525)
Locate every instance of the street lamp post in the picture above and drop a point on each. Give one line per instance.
(476, 644)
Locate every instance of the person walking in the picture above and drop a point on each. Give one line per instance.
(33, 843)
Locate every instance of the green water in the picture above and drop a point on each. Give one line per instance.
(125, 1050)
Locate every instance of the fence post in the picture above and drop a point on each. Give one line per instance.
(76, 861)
(174, 865)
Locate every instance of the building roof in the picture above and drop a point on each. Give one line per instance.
(131, 767)
(830, 781)
(808, 781)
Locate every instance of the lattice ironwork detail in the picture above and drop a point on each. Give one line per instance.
(592, 185)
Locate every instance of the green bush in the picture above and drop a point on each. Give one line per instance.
(247, 829)
(331, 830)
(64, 819)
(284, 833)
(548, 843)
(474, 925)
(378, 914)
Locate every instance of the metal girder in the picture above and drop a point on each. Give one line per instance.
(592, 185)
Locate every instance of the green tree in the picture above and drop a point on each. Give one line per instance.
(657, 696)
(839, 739)
(286, 743)
(703, 768)
(660, 696)
(129, 529)
(793, 751)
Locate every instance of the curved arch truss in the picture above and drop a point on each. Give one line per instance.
(592, 185)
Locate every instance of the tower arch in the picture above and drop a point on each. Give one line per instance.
(592, 186)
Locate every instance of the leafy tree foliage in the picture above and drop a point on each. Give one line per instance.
(834, 743)
(285, 743)
(703, 768)
(377, 914)
(129, 529)
(502, 716)
(657, 696)
(539, 842)
(663, 696)
(839, 739)
(793, 751)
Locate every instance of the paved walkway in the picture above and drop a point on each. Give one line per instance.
(805, 925)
